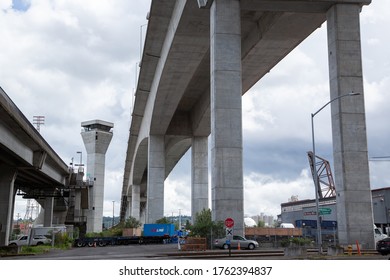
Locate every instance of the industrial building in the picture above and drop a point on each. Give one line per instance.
(303, 214)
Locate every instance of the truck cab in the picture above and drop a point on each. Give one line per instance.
(378, 234)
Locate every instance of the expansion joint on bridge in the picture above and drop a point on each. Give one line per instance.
(153, 55)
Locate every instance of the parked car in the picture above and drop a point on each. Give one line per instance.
(222, 243)
(383, 246)
(36, 240)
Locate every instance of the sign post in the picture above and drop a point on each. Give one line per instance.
(229, 223)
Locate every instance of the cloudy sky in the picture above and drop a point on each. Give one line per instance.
(73, 61)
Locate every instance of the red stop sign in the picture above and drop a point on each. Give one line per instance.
(229, 222)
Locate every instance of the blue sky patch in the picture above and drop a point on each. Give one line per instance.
(21, 5)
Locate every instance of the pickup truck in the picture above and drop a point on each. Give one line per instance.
(36, 240)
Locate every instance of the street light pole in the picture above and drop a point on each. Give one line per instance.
(113, 212)
(315, 177)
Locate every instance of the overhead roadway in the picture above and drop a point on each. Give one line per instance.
(40, 171)
(175, 69)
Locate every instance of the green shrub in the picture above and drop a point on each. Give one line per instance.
(295, 241)
(62, 240)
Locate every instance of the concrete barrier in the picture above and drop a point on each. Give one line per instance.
(295, 252)
(335, 250)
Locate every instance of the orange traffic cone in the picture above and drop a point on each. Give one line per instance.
(239, 247)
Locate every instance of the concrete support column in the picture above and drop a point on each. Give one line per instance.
(77, 205)
(199, 176)
(156, 178)
(7, 195)
(48, 214)
(354, 206)
(226, 116)
(128, 212)
(135, 201)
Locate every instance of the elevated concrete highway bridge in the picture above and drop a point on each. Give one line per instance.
(199, 58)
(27, 165)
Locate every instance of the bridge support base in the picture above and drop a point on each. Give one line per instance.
(7, 200)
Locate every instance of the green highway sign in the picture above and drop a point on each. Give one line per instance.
(325, 211)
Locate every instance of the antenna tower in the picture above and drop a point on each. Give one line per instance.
(31, 209)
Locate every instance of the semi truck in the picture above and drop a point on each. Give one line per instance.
(152, 233)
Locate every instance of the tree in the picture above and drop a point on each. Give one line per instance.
(188, 225)
(205, 227)
(261, 224)
(132, 222)
(163, 220)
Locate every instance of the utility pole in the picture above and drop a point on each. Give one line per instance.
(38, 121)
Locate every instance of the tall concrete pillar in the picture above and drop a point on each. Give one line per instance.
(226, 117)
(7, 198)
(48, 212)
(354, 206)
(128, 207)
(156, 178)
(135, 201)
(97, 136)
(199, 176)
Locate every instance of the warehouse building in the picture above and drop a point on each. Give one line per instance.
(303, 214)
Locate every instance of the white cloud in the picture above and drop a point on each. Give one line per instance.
(5, 4)
(177, 197)
(264, 194)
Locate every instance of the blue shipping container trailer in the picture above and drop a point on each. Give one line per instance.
(152, 233)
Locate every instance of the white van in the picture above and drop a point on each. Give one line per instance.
(286, 225)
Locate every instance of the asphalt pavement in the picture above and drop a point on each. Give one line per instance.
(171, 251)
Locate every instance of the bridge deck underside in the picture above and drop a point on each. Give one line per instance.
(180, 62)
